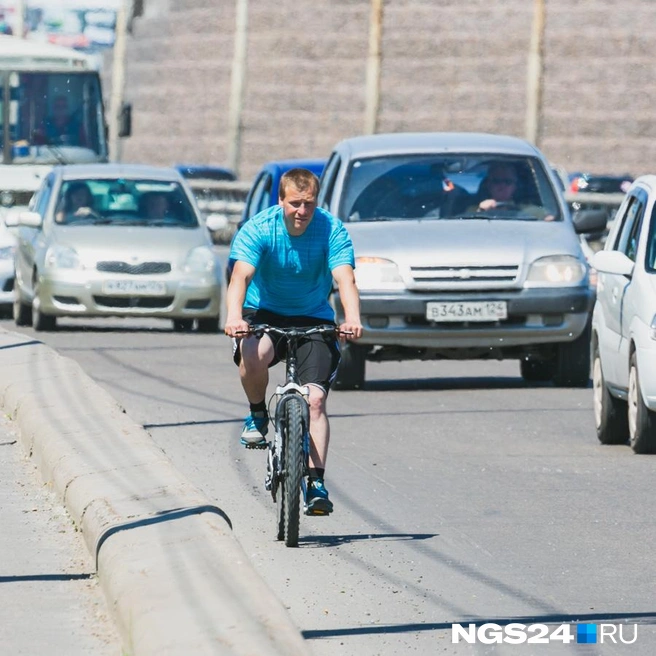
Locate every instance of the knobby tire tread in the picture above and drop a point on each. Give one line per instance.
(291, 491)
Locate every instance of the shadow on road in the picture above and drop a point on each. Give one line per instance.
(318, 541)
(638, 618)
(44, 577)
(465, 383)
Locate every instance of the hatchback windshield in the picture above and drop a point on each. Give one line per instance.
(449, 187)
(123, 202)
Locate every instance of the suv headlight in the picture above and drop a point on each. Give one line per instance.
(556, 270)
(377, 274)
(62, 257)
(199, 260)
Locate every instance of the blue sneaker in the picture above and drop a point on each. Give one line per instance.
(316, 499)
(256, 426)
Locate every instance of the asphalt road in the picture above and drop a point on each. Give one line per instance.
(461, 495)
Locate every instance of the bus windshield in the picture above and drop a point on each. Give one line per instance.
(51, 118)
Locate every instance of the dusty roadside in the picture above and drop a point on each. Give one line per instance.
(50, 598)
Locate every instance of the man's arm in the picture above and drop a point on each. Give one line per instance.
(241, 276)
(348, 294)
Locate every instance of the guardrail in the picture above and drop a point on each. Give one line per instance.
(222, 198)
(227, 199)
(588, 200)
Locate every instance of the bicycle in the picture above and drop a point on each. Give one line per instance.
(289, 450)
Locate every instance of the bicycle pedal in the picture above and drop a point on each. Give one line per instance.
(256, 445)
(315, 513)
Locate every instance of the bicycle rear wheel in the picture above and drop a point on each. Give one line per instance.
(288, 497)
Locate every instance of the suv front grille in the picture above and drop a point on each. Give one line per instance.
(144, 268)
(436, 275)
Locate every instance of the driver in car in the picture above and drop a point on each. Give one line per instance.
(499, 190)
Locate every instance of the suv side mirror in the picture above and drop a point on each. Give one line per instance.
(125, 120)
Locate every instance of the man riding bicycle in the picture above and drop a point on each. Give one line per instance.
(286, 259)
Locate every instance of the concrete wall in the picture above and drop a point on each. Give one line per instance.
(447, 65)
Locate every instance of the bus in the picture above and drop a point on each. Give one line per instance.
(51, 109)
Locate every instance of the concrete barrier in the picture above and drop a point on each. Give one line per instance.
(175, 578)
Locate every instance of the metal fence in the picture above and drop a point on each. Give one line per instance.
(224, 199)
(227, 199)
(587, 200)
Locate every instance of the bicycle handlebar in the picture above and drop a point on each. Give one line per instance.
(259, 329)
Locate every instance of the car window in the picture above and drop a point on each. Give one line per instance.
(124, 201)
(449, 186)
(629, 232)
(261, 195)
(327, 182)
(650, 263)
(43, 198)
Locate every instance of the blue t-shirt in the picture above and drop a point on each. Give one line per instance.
(292, 274)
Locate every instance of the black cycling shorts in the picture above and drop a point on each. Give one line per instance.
(318, 355)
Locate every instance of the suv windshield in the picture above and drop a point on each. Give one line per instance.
(51, 118)
(150, 203)
(448, 187)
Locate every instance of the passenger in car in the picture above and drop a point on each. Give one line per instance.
(155, 205)
(501, 189)
(77, 202)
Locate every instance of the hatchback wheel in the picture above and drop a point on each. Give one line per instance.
(642, 421)
(41, 321)
(610, 413)
(22, 312)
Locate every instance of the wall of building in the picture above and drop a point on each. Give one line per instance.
(447, 65)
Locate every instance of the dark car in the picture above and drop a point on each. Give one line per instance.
(599, 184)
(264, 190)
(205, 172)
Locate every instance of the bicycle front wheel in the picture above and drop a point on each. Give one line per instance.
(289, 491)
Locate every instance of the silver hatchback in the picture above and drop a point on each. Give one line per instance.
(465, 249)
(115, 240)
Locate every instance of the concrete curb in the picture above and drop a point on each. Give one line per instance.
(175, 577)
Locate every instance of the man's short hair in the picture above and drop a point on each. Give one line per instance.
(300, 179)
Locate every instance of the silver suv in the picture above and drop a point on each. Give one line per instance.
(465, 249)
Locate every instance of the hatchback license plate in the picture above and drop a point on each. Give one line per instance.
(134, 287)
(467, 311)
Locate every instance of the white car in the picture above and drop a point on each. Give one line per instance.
(7, 249)
(121, 240)
(624, 324)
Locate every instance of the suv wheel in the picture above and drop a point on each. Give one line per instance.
(642, 421)
(351, 370)
(536, 371)
(183, 325)
(210, 325)
(573, 361)
(610, 413)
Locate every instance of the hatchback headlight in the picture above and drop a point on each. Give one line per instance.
(62, 257)
(377, 273)
(199, 260)
(562, 270)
